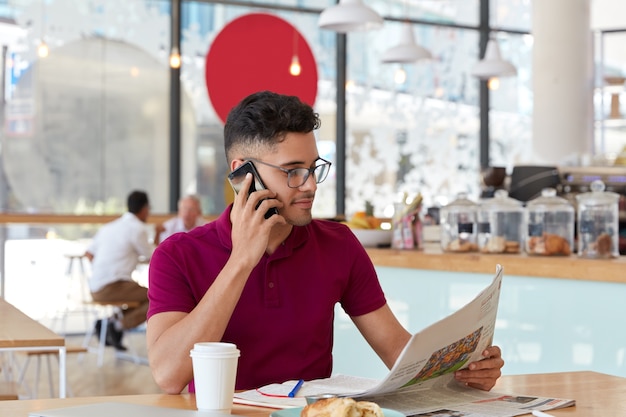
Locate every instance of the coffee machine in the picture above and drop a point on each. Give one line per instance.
(576, 180)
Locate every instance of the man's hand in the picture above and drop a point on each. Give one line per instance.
(250, 230)
(484, 373)
(158, 229)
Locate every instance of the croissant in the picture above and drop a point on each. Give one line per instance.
(341, 407)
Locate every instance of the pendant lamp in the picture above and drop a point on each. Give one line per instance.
(349, 16)
(407, 51)
(492, 65)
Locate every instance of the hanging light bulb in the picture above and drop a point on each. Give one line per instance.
(175, 59)
(43, 50)
(400, 76)
(295, 69)
(493, 83)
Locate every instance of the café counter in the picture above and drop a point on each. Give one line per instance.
(566, 267)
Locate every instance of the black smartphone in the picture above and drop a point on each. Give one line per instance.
(238, 175)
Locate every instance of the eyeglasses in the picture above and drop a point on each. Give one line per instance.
(296, 177)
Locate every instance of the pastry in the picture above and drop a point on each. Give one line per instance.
(549, 244)
(495, 244)
(369, 409)
(604, 244)
(459, 245)
(511, 246)
(341, 407)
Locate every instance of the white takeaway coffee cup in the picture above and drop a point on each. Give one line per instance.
(214, 372)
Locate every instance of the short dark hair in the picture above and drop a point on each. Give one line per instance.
(137, 200)
(262, 119)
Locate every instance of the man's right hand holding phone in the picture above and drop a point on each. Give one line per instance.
(251, 230)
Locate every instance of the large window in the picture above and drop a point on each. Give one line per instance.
(609, 96)
(89, 122)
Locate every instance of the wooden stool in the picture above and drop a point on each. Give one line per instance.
(47, 354)
(77, 291)
(108, 309)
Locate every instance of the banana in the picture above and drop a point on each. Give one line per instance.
(358, 223)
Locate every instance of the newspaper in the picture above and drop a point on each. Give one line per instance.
(421, 382)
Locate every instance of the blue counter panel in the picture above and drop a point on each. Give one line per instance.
(543, 325)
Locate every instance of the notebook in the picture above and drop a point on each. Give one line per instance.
(123, 410)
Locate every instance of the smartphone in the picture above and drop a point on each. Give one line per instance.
(238, 175)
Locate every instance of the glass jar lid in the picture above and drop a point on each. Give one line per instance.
(461, 204)
(549, 201)
(597, 196)
(502, 202)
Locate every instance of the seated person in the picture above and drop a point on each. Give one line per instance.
(270, 285)
(115, 252)
(189, 216)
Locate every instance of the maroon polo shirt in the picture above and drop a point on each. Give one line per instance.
(283, 323)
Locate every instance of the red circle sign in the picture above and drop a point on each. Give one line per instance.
(253, 53)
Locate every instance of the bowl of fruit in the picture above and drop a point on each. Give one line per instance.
(370, 230)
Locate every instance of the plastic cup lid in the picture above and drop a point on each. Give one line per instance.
(214, 349)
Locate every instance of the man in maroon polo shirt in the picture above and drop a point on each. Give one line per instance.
(270, 285)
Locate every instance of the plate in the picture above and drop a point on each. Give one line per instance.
(295, 412)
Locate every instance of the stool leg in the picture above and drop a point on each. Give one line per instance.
(36, 384)
(21, 382)
(69, 281)
(88, 335)
(85, 294)
(50, 382)
(102, 345)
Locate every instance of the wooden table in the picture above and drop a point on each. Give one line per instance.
(18, 332)
(596, 395)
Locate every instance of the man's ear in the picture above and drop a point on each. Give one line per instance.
(235, 163)
(145, 212)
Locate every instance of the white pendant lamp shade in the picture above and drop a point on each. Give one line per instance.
(492, 65)
(349, 16)
(407, 51)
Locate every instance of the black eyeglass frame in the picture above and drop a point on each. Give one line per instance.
(290, 172)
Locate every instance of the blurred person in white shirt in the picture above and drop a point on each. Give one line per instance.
(115, 252)
(189, 216)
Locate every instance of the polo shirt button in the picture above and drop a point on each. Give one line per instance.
(271, 285)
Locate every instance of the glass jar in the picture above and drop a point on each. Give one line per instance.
(598, 223)
(501, 224)
(458, 225)
(550, 221)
